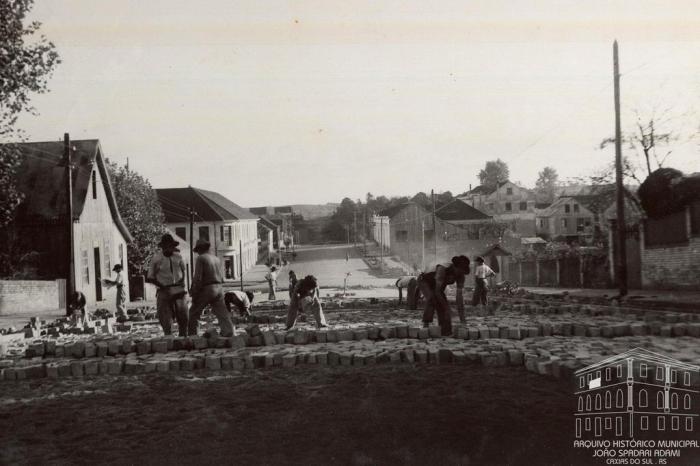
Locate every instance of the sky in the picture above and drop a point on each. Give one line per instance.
(278, 102)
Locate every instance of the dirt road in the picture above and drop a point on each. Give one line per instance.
(408, 415)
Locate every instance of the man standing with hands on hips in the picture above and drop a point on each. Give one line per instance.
(482, 272)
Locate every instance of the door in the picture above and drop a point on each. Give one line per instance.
(98, 275)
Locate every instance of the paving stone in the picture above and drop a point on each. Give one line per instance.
(413, 332)
(373, 333)
(143, 347)
(162, 366)
(515, 357)
(421, 355)
(473, 333)
(322, 358)
(361, 334)
(213, 362)
(594, 332)
(494, 332)
(444, 356)
(133, 366)
(51, 370)
(423, 334)
(78, 349)
(64, 369)
(459, 357)
(331, 336)
(238, 363)
(150, 366)
(187, 364)
(401, 331)
(579, 330)
(258, 340)
(127, 346)
(407, 355)
(77, 368)
(289, 360)
(238, 341)
(160, 346)
(514, 333)
(92, 367)
(102, 348)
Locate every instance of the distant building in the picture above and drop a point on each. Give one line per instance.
(231, 229)
(506, 202)
(408, 232)
(100, 237)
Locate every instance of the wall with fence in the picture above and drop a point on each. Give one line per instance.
(30, 297)
(569, 272)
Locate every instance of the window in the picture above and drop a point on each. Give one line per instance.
(686, 402)
(608, 423)
(619, 399)
(598, 401)
(564, 223)
(204, 233)
(674, 423)
(588, 402)
(523, 206)
(660, 400)
(589, 377)
(509, 191)
(619, 370)
(686, 378)
(402, 235)
(509, 207)
(579, 224)
(674, 401)
(659, 373)
(108, 258)
(597, 427)
(567, 208)
(581, 383)
(597, 375)
(94, 184)
(674, 376)
(644, 422)
(226, 235)
(576, 208)
(608, 374)
(661, 423)
(618, 425)
(689, 424)
(642, 370)
(578, 428)
(588, 423)
(85, 266)
(580, 403)
(608, 400)
(643, 400)
(181, 232)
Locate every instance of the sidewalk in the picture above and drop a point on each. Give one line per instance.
(682, 299)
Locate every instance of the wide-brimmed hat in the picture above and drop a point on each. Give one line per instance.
(201, 245)
(117, 268)
(167, 240)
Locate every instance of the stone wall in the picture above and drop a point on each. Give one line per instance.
(28, 296)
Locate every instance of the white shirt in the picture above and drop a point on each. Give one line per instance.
(483, 271)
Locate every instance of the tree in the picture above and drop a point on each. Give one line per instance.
(24, 69)
(650, 143)
(495, 172)
(546, 183)
(139, 208)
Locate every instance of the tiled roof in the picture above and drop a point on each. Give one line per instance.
(209, 205)
(392, 211)
(42, 179)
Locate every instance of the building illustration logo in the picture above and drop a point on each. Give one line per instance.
(634, 394)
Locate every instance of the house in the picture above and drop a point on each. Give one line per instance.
(584, 218)
(506, 202)
(100, 237)
(268, 238)
(417, 240)
(231, 229)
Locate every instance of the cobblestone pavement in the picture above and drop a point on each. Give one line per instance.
(551, 340)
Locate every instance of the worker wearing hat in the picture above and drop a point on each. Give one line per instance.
(121, 291)
(167, 272)
(432, 286)
(207, 289)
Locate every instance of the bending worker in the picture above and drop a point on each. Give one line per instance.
(411, 284)
(433, 285)
(241, 300)
(305, 297)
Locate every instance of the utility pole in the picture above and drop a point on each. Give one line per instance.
(354, 227)
(381, 242)
(422, 254)
(192, 213)
(621, 227)
(70, 276)
(240, 262)
(435, 235)
(364, 230)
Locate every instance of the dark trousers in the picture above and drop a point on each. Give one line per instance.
(480, 292)
(167, 307)
(433, 305)
(210, 295)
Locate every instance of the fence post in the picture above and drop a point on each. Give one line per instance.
(580, 271)
(558, 273)
(537, 272)
(520, 272)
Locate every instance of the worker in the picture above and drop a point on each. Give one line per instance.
(292, 282)
(271, 277)
(207, 290)
(482, 273)
(167, 272)
(432, 285)
(411, 284)
(306, 297)
(243, 301)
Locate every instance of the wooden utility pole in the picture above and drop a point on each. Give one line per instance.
(381, 241)
(354, 227)
(192, 213)
(432, 197)
(70, 276)
(240, 262)
(621, 227)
